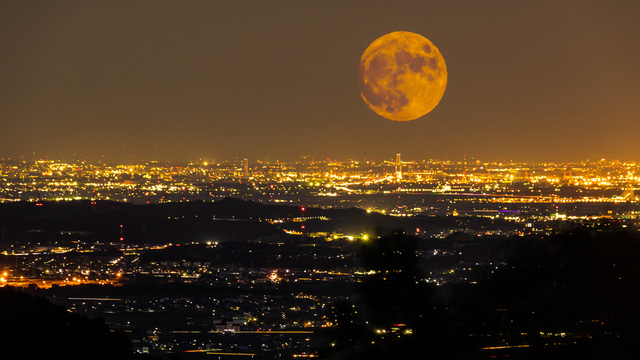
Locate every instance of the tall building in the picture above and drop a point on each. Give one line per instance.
(398, 168)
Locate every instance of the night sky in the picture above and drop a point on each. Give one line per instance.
(214, 80)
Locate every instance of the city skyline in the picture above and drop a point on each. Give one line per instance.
(321, 182)
(118, 81)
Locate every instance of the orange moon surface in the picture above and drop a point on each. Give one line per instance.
(402, 76)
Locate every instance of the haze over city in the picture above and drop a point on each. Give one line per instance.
(156, 80)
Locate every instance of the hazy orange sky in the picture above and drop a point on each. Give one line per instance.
(214, 80)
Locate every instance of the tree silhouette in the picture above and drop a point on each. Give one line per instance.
(566, 296)
(399, 313)
(36, 328)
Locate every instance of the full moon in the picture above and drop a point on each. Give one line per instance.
(402, 76)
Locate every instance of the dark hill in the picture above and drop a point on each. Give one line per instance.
(228, 219)
(37, 329)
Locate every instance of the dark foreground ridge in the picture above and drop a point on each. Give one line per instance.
(36, 329)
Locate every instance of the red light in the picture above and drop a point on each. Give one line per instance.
(121, 239)
(303, 208)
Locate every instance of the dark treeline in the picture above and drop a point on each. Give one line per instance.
(566, 296)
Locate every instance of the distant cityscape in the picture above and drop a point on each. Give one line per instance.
(295, 181)
(519, 192)
(143, 245)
